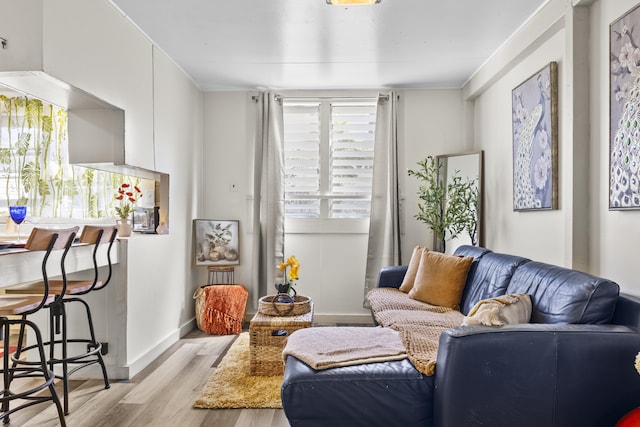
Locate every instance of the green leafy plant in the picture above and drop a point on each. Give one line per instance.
(447, 208)
(35, 172)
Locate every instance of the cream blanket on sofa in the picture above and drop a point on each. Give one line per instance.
(419, 324)
(411, 329)
(332, 347)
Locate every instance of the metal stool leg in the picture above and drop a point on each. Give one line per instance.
(26, 369)
(97, 347)
(59, 325)
(5, 372)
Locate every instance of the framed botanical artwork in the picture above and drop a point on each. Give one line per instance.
(215, 242)
(534, 110)
(624, 106)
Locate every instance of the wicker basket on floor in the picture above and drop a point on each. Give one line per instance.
(270, 306)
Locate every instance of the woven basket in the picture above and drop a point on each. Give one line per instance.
(271, 307)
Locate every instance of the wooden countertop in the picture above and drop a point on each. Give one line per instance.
(18, 265)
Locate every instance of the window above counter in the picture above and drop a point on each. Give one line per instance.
(35, 169)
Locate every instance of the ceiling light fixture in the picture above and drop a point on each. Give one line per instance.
(351, 2)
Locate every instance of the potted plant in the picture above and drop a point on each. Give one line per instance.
(290, 277)
(126, 196)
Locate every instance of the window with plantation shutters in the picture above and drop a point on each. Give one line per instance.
(328, 157)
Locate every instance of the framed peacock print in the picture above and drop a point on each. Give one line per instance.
(624, 109)
(534, 112)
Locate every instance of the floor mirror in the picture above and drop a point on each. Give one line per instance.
(465, 168)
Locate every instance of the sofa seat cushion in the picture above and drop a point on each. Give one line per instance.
(562, 295)
(371, 395)
(333, 347)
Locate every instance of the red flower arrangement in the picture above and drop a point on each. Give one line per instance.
(127, 195)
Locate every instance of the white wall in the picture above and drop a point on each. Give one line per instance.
(226, 165)
(432, 122)
(161, 280)
(524, 233)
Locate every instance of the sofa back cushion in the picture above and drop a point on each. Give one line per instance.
(489, 278)
(474, 251)
(562, 295)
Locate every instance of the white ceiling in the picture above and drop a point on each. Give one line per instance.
(308, 44)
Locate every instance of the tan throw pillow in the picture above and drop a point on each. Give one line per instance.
(440, 279)
(412, 269)
(507, 309)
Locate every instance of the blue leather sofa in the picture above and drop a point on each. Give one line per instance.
(572, 365)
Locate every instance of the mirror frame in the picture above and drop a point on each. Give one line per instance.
(442, 163)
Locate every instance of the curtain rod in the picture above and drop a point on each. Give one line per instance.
(255, 98)
(385, 97)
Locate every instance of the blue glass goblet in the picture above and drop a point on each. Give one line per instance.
(18, 214)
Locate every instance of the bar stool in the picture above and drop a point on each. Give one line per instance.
(46, 240)
(66, 292)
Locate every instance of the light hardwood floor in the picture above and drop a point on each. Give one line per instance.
(159, 396)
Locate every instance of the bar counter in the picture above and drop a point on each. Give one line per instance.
(19, 265)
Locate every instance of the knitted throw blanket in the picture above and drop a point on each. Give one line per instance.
(418, 323)
(332, 347)
(220, 308)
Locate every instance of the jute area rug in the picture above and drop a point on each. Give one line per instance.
(231, 386)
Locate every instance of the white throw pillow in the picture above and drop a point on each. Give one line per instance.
(504, 310)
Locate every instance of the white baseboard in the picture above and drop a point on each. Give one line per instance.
(343, 318)
(127, 372)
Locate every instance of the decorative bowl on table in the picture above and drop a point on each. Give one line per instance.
(271, 305)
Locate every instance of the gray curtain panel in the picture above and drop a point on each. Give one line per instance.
(268, 196)
(384, 224)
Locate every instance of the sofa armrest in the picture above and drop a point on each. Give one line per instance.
(391, 277)
(536, 375)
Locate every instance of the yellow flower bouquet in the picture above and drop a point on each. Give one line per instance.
(290, 276)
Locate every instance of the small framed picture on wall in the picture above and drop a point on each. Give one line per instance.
(216, 242)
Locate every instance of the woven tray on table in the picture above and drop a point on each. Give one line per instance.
(270, 306)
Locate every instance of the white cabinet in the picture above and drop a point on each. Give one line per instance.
(84, 48)
(21, 27)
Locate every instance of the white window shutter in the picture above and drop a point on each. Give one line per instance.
(328, 158)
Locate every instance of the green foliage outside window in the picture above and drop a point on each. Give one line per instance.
(34, 167)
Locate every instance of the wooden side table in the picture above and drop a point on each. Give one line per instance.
(267, 336)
